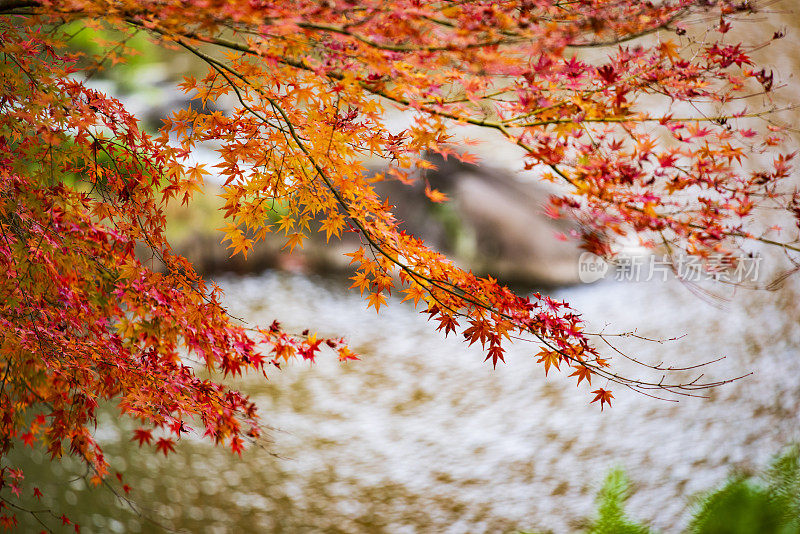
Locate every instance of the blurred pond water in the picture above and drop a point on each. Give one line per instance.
(421, 436)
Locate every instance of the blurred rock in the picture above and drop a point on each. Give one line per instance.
(493, 223)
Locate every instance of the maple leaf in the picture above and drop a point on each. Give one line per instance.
(27, 438)
(434, 195)
(332, 226)
(582, 372)
(294, 240)
(602, 395)
(480, 330)
(237, 445)
(346, 354)
(607, 73)
(165, 445)
(414, 292)
(142, 436)
(495, 352)
(549, 358)
(447, 323)
(669, 49)
(360, 281)
(376, 299)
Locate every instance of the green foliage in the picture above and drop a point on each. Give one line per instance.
(783, 476)
(738, 507)
(611, 517)
(767, 504)
(139, 50)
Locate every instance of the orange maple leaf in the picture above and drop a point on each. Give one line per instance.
(434, 195)
(550, 358)
(376, 299)
(583, 372)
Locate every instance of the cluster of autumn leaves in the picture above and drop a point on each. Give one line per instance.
(87, 319)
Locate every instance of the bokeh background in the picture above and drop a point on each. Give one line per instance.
(420, 435)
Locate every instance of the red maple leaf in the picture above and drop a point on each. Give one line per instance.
(237, 445)
(27, 438)
(495, 353)
(165, 445)
(604, 396)
(142, 436)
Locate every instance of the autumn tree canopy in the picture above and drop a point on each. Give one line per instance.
(647, 115)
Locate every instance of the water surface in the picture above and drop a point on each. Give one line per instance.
(422, 436)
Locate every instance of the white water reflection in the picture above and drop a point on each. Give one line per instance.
(422, 436)
(508, 446)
